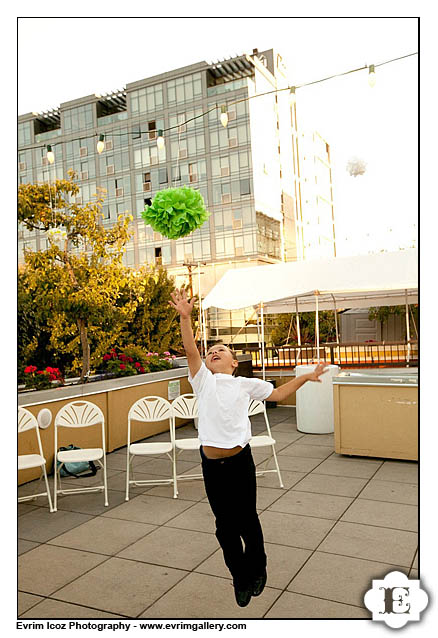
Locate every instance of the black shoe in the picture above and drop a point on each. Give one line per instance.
(243, 596)
(258, 584)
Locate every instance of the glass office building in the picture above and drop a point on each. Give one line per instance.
(247, 172)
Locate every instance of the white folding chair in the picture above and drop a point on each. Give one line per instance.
(263, 440)
(149, 410)
(79, 414)
(27, 421)
(185, 407)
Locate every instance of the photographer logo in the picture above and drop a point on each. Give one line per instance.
(396, 600)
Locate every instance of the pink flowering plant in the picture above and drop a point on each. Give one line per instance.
(133, 359)
(157, 362)
(42, 379)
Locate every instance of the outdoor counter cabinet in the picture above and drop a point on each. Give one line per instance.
(376, 413)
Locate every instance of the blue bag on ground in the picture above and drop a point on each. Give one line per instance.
(76, 469)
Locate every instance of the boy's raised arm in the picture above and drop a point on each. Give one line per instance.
(185, 307)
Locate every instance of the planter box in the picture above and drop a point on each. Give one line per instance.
(114, 397)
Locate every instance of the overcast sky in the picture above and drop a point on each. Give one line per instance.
(379, 125)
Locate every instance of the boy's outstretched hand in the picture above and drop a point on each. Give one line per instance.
(181, 303)
(318, 371)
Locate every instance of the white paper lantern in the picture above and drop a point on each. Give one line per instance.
(356, 166)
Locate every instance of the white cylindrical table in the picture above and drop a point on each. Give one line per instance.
(314, 401)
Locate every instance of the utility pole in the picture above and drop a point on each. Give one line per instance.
(189, 267)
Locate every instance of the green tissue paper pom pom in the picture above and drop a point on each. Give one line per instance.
(176, 212)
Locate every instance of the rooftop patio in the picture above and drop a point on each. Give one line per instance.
(339, 523)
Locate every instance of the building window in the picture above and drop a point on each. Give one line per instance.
(78, 118)
(162, 175)
(152, 130)
(72, 149)
(245, 186)
(128, 258)
(219, 220)
(187, 121)
(220, 248)
(166, 254)
(158, 255)
(229, 246)
(149, 156)
(148, 99)
(184, 89)
(147, 131)
(238, 245)
(248, 244)
(24, 134)
(179, 252)
(227, 86)
(178, 149)
(25, 161)
(193, 175)
(176, 173)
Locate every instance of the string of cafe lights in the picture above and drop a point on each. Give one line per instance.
(100, 146)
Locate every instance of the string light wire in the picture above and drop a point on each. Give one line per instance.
(245, 99)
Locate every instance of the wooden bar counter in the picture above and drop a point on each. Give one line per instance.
(376, 413)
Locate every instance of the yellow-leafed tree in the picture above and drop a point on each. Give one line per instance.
(79, 279)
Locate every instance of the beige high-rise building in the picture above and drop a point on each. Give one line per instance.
(269, 200)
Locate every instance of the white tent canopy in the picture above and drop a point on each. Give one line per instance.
(348, 282)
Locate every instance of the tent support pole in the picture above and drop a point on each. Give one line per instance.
(263, 341)
(337, 332)
(259, 339)
(258, 329)
(317, 324)
(413, 322)
(298, 331)
(201, 327)
(336, 318)
(408, 335)
(205, 331)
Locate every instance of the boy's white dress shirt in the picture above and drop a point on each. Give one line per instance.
(223, 402)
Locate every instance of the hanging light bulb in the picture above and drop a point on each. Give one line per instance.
(224, 116)
(160, 139)
(292, 96)
(371, 76)
(50, 154)
(100, 144)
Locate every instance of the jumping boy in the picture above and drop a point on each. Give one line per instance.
(224, 431)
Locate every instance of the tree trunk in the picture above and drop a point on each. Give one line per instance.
(82, 326)
(85, 350)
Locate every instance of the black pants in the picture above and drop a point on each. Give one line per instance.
(231, 489)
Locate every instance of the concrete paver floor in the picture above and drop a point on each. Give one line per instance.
(338, 523)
